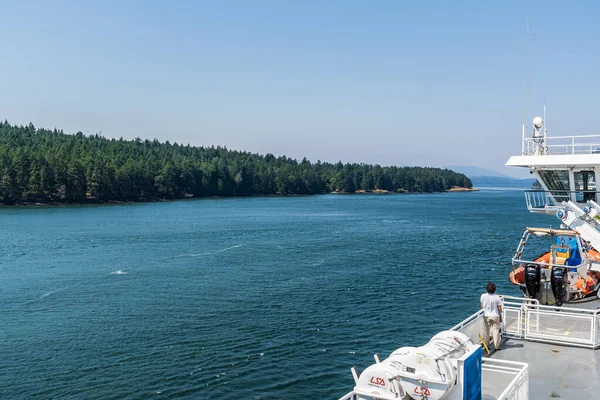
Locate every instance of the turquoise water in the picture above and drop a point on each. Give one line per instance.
(250, 298)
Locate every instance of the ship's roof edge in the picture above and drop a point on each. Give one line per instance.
(558, 160)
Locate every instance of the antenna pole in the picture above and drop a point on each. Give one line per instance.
(527, 70)
(545, 118)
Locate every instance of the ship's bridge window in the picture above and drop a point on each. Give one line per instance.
(557, 182)
(585, 186)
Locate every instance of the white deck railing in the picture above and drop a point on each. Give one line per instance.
(556, 145)
(471, 326)
(572, 326)
(545, 200)
(518, 387)
(525, 318)
(551, 200)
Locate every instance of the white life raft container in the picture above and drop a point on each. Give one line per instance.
(426, 372)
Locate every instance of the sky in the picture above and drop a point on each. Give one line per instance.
(428, 83)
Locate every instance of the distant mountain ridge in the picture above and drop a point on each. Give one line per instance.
(498, 181)
(482, 177)
(472, 170)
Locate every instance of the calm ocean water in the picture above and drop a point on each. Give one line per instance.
(249, 298)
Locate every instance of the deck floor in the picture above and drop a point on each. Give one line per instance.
(554, 370)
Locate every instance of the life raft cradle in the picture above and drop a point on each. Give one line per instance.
(585, 285)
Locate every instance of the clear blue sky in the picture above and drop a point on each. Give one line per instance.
(389, 82)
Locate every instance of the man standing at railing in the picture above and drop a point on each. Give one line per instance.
(492, 315)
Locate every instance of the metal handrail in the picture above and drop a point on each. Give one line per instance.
(467, 321)
(552, 199)
(518, 300)
(575, 144)
(560, 191)
(596, 335)
(569, 137)
(528, 306)
(520, 380)
(537, 310)
(566, 310)
(518, 261)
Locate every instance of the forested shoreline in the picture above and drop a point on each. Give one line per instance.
(49, 166)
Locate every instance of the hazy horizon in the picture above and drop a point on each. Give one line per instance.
(397, 84)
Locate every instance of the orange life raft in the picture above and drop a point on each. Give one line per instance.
(586, 286)
(517, 276)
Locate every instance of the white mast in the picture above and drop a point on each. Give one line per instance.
(527, 69)
(545, 129)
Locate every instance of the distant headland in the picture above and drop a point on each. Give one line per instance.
(41, 166)
(383, 191)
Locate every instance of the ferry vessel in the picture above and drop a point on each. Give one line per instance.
(552, 332)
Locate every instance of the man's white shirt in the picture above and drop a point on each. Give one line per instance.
(490, 303)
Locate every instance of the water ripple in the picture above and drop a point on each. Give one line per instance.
(284, 296)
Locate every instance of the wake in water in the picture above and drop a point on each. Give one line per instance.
(49, 293)
(210, 252)
(119, 272)
(316, 264)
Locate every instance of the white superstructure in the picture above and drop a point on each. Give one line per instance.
(566, 168)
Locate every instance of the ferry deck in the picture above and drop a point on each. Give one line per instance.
(555, 371)
(559, 346)
(548, 351)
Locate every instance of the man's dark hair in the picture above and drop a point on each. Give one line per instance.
(491, 288)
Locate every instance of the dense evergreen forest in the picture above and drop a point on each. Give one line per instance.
(48, 166)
